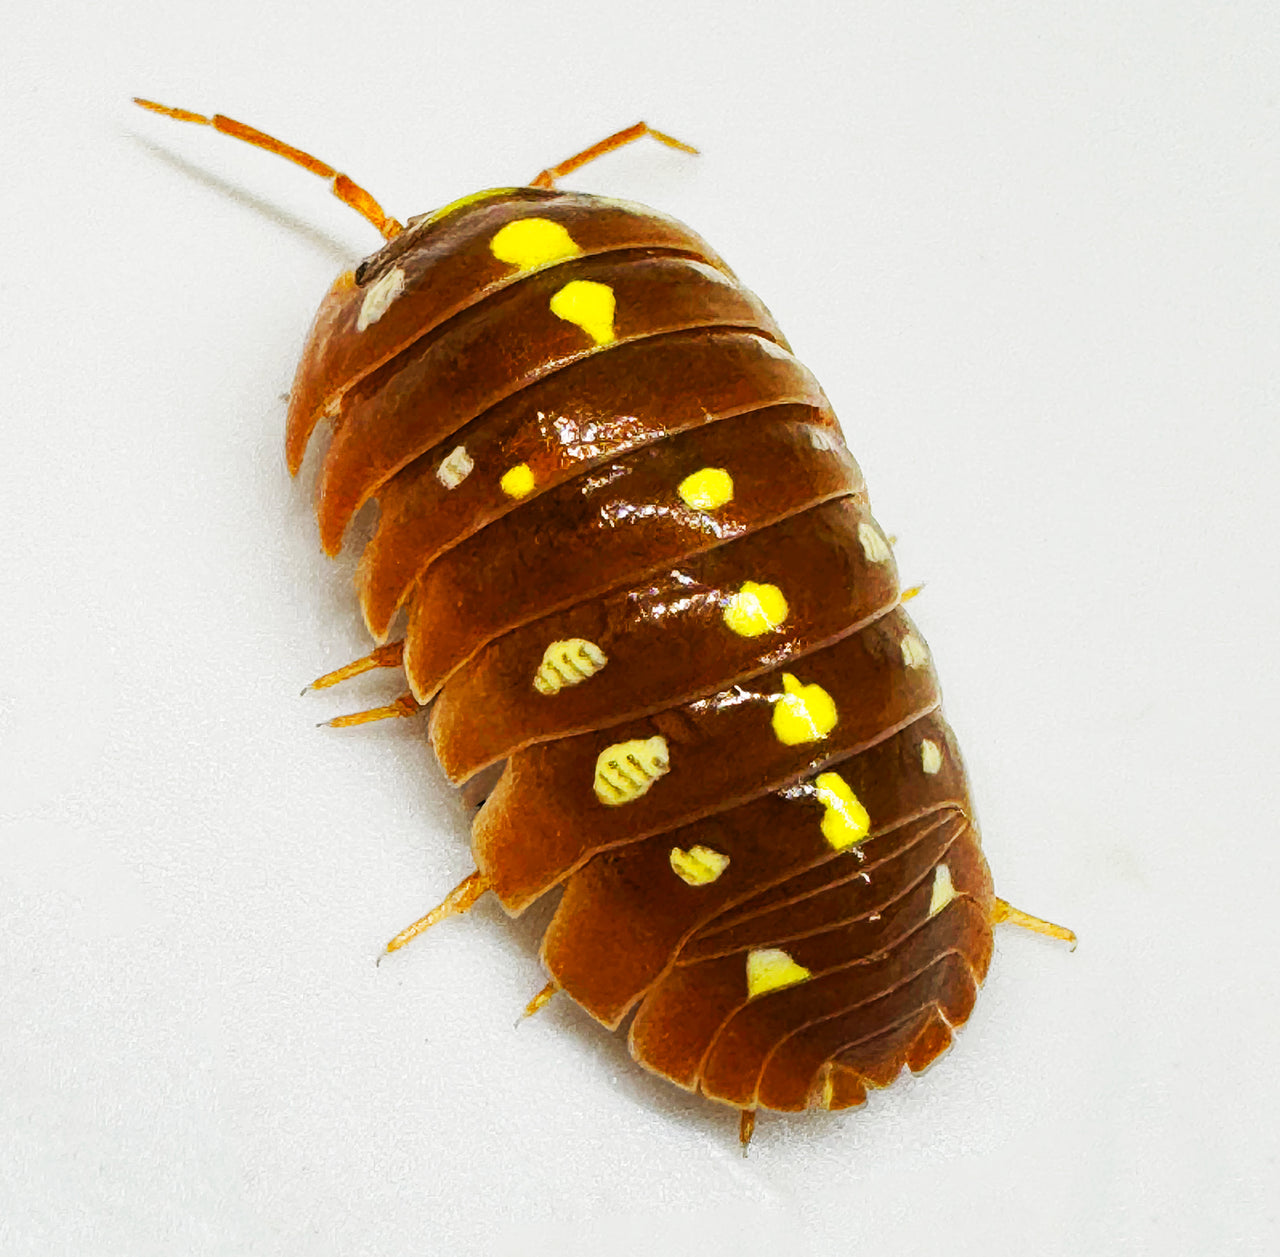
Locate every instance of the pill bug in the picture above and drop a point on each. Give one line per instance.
(660, 635)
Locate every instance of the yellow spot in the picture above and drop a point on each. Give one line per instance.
(531, 242)
(914, 653)
(930, 756)
(455, 468)
(873, 543)
(943, 891)
(755, 609)
(803, 713)
(626, 770)
(589, 305)
(568, 663)
(377, 301)
(518, 482)
(770, 969)
(422, 220)
(699, 866)
(707, 490)
(845, 821)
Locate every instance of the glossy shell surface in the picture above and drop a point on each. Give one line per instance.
(639, 573)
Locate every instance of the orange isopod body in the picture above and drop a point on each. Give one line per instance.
(660, 633)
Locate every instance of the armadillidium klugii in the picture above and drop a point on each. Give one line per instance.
(642, 582)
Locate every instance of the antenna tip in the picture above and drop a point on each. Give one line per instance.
(182, 115)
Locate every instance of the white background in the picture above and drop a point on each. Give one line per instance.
(1032, 251)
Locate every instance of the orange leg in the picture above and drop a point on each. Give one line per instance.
(539, 1001)
(459, 900)
(548, 177)
(343, 188)
(405, 705)
(746, 1128)
(389, 656)
(1015, 916)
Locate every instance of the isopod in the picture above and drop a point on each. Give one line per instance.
(653, 617)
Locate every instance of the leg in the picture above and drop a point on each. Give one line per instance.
(746, 1128)
(389, 656)
(344, 189)
(1015, 916)
(547, 179)
(459, 900)
(405, 705)
(539, 1001)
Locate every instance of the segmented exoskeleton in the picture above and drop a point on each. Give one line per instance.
(640, 576)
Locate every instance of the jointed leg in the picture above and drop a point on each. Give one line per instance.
(459, 900)
(540, 1001)
(389, 656)
(405, 705)
(1004, 911)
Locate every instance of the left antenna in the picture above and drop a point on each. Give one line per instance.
(347, 191)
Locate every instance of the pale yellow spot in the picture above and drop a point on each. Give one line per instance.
(589, 305)
(518, 482)
(707, 490)
(422, 220)
(770, 969)
(455, 468)
(873, 543)
(845, 820)
(531, 242)
(804, 713)
(943, 891)
(568, 663)
(699, 866)
(377, 300)
(930, 756)
(626, 770)
(914, 653)
(755, 609)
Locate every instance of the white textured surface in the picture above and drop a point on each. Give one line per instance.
(1032, 252)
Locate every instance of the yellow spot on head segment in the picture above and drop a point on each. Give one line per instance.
(706, 490)
(803, 713)
(518, 482)
(845, 821)
(626, 770)
(589, 305)
(755, 609)
(770, 969)
(699, 866)
(532, 242)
